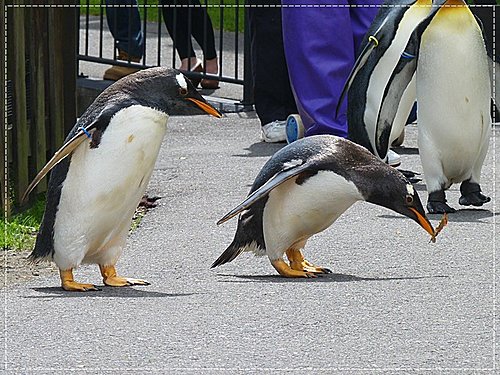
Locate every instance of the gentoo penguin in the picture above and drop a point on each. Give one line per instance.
(303, 189)
(453, 94)
(383, 45)
(101, 172)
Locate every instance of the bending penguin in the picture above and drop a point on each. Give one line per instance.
(303, 189)
(101, 172)
(453, 94)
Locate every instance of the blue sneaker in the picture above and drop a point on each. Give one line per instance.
(294, 128)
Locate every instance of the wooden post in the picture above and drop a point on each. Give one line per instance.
(21, 134)
(56, 69)
(38, 55)
(4, 199)
(62, 70)
(70, 24)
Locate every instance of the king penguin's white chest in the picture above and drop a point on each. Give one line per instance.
(453, 92)
(104, 184)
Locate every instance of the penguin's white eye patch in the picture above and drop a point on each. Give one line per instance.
(181, 80)
(409, 199)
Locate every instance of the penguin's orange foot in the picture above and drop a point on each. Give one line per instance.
(308, 267)
(73, 286)
(67, 282)
(299, 263)
(123, 281)
(286, 271)
(110, 278)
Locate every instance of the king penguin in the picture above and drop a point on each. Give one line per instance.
(384, 43)
(101, 172)
(303, 189)
(453, 92)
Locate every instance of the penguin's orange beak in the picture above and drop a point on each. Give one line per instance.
(423, 221)
(206, 107)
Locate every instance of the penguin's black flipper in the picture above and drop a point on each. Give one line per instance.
(373, 41)
(77, 135)
(288, 172)
(399, 81)
(60, 154)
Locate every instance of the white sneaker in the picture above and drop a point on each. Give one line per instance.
(393, 159)
(274, 132)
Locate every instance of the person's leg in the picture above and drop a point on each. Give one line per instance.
(485, 14)
(203, 32)
(125, 26)
(176, 17)
(320, 54)
(272, 92)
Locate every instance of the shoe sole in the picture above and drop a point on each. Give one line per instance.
(294, 128)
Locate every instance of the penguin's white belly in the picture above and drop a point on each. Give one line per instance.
(383, 71)
(453, 94)
(103, 187)
(294, 212)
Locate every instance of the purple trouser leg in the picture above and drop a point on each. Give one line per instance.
(320, 48)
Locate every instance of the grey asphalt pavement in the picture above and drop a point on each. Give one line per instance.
(394, 304)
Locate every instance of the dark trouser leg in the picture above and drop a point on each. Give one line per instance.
(125, 26)
(176, 21)
(203, 32)
(272, 92)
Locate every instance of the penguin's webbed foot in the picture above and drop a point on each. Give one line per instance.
(73, 286)
(70, 285)
(471, 194)
(124, 281)
(436, 203)
(439, 208)
(308, 267)
(110, 278)
(299, 263)
(474, 199)
(285, 270)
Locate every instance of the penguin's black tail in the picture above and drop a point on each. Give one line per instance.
(37, 256)
(229, 254)
(44, 246)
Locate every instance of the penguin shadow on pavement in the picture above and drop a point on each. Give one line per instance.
(262, 149)
(105, 292)
(466, 215)
(328, 278)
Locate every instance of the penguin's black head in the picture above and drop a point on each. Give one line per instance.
(167, 90)
(392, 190)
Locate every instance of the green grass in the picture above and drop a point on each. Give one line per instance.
(19, 231)
(228, 14)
